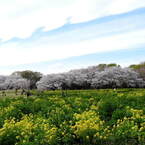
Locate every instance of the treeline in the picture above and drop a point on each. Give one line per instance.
(94, 77)
(140, 68)
(20, 80)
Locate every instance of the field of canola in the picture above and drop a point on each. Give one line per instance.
(78, 117)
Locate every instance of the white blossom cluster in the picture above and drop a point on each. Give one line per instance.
(13, 82)
(92, 77)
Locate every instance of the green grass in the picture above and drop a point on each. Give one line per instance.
(73, 117)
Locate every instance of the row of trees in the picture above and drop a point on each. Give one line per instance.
(20, 80)
(100, 76)
(139, 68)
(13, 82)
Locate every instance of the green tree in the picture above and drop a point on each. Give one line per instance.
(140, 68)
(113, 65)
(31, 76)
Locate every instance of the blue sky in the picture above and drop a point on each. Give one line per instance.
(56, 36)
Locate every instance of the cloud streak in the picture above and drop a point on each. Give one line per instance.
(99, 35)
(20, 18)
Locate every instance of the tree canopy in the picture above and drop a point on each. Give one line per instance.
(31, 76)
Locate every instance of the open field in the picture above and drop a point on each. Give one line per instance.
(78, 117)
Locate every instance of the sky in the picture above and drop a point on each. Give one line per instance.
(53, 36)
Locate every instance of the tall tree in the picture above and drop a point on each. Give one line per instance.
(31, 76)
(140, 68)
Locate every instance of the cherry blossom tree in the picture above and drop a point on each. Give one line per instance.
(92, 77)
(13, 82)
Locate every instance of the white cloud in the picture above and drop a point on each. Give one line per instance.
(120, 6)
(16, 54)
(19, 18)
